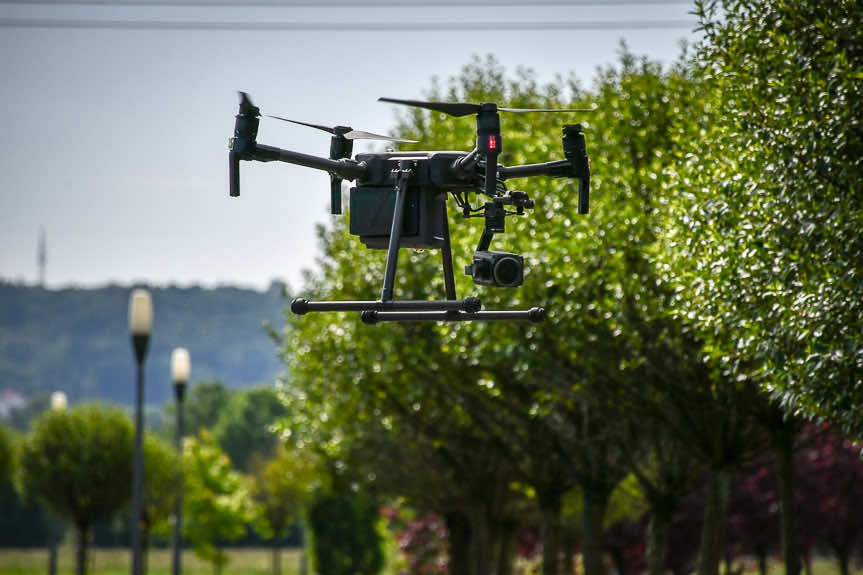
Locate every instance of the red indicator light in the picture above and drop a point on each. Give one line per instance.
(492, 143)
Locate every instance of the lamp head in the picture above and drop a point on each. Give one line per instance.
(181, 366)
(140, 313)
(59, 401)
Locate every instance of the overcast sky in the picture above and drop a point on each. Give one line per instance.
(117, 115)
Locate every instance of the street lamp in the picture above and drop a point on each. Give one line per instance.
(59, 402)
(140, 325)
(181, 365)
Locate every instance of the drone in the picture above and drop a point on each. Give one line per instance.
(399, 201)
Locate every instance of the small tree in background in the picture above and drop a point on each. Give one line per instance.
(345, 537)
(205, 402)
(243, 425)
(78, 463)
(160, 487)
(215, 502)
(282, 487)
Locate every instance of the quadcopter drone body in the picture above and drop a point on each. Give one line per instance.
(399, 200)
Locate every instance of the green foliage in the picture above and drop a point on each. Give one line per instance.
(203, 405)
(345, 536)
(161, 469)
(244, 424)
(216, 504)
(486, 404)
(79, 462)
(282, 486)
(79, 337)
(766, 243)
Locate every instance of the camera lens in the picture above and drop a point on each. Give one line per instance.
(507, 271)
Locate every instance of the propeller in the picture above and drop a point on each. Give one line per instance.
(346, 132)
(459, 109)
(246, 106)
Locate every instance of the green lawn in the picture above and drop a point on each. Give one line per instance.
(248, 562)
(116, 562)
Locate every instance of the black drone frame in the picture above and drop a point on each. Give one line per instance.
(387, 182)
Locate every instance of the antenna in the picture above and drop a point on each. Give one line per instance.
(42, 257)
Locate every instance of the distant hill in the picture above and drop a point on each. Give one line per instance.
(77, 340)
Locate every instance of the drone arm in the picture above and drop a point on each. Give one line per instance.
(557, 169)
(466, 163)
(343, 168)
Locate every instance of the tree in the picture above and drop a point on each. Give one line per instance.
(496, 403)
(344, 531)
(281, 488)
(769, 248)
(79, 464)
(216, 500)
(244, 424)
(161, 467)
(204, 404)
(764, 245)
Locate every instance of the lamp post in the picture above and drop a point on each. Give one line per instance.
(59, 402)
(181, 365)
(140, 325)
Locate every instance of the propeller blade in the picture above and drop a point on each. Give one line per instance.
(456, 109)
(360, 135)
(349, 135)
(246, 104)
(318, 126)
(528, 110)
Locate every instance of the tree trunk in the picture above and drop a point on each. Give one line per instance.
(304, 553)
(761, 553)
(506, 547)
(551, 532)
(715, 516)
(784, 449)
(145, 547)
(807, 562)
(595, 504)
(842, 556)
(657, 541)
(277, 556)
(458, 533)
(83, 536)
(569, 547)
(52, 559)
(616, 554)
(482, 544)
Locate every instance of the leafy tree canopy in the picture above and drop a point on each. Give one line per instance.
(79, 462)
(766, 244)
(216, 505)
(244, 424)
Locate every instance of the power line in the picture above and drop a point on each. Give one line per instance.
(344, 3)
(392, 27)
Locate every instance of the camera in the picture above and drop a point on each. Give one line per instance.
(499, 269)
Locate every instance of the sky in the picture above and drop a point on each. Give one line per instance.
(117, 115)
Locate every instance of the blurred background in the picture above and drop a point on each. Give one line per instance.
(692, 404)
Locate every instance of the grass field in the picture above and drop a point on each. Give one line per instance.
(116, 562)
(251, 562)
